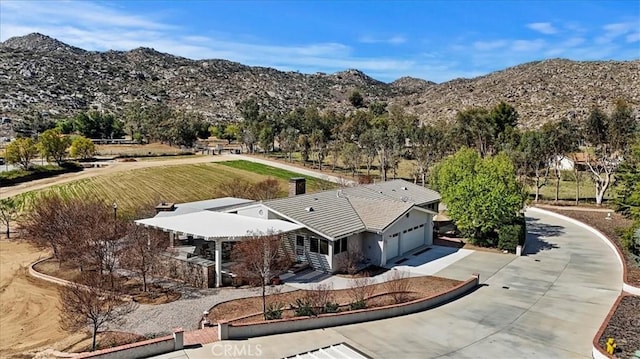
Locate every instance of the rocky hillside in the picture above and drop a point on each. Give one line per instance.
(44, 74)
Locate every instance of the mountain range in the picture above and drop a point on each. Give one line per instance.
(43, 74)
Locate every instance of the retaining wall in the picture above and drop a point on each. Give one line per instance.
(241, 331)
(143, 349)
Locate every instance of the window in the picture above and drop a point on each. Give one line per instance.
(324, 246)
(313, 245)
(340, 246)
(300, 241)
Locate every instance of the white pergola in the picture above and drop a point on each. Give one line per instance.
(218, 227)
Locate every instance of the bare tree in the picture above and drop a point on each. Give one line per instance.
(349, 262)
(398, 285)
(264, 190)
(319, 296)
(47, 224)
(359, 291)
(259, 258)
(91, 304)
(143, 251)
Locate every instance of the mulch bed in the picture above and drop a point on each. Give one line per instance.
(130, 286)
(420, 287)
(624, 327)
(610, 228)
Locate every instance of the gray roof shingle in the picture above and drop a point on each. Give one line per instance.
(337, 213)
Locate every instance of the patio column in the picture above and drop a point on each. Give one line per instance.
(172, 238)
(383, 245)
(218, 263)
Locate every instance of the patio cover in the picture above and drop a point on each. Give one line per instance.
(212, 225)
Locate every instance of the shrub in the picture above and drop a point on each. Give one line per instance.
(274, 311)
(319, 296)
(508, 237)
(304, 308)
(348, 262)
(330, 307)
(360, 304)
(360, 291)
(398, 285)
(630, 240)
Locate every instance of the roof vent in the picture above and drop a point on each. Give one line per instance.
(404, 198)
(404, 188)
(339, 194)
(309, 209)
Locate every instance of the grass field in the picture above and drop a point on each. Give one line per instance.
(313, 184)
(568, 191)
(182, 183)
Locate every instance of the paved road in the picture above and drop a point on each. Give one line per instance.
(547, 304)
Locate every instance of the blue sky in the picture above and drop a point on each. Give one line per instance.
(433, 40)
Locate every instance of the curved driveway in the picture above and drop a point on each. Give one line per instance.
(547, 304)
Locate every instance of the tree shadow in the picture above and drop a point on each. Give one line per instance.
(536, 236)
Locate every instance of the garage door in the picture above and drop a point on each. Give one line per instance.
(392, 246)
(411, 239)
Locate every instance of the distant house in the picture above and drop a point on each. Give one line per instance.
(570, 161)
(380, 221)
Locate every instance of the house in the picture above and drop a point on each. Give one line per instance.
(380, 221)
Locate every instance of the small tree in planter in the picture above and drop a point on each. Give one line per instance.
(360, 290)
(398, 285)
(348, 262)
(259, 258)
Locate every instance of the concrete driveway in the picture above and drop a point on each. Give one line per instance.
(547, 304)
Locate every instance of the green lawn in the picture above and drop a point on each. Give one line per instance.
(313, 184)
(568, 191)
(181, 183)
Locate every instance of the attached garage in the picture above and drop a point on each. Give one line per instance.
(411, 238)
(393, 244)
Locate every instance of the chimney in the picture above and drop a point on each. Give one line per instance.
(297, 185)
(165, 207)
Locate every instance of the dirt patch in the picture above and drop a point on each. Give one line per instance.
(420, 287)
(610, 228)
(28, 306)
(155, 294)
(624, 327)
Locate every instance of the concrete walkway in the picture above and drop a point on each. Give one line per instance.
(547, 304)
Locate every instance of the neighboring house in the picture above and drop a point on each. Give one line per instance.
(382, 221)
(568, 162)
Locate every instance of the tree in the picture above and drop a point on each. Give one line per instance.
(9, 210)
(21, 151)
(351, 157)
(305, 147)
(230, 132)
(288, 142)
(44, 224)
(143, 251)
(54, 145)
(94, 124)
(562, 138)
(82, 147)
(356, 99)
(265, 190)
(91, 304)
(260, 258)
(536, 157)
(609, 149)
(319, 145)
(474, 129)
(628, 183)
(368, 143)
(481, 194)
(427, 148)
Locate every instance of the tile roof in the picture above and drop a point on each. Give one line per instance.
(338, 213)
(378, 214)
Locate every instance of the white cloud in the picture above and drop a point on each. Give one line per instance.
(489, 45)
(615, 30)
(543, 27)
(527, 45)
(633, 37)
(393, 40)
